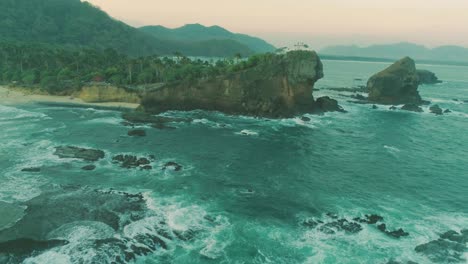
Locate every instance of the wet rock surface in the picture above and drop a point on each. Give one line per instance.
(412, 108)
(435, 109)
(89, 167)
(130, 162)
(71, 152)
(32, 169)
(137, 133)
(103, 226)
(333, 223)
(450, 247)
(171, 165)
(327, 104)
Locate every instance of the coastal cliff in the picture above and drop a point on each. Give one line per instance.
(98, 93)
(277, 85)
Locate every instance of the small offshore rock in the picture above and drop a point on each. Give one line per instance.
(172, 165)
(89, 167)
(305, 119)
(137, 133)
(447, 111)
(412, 108)
(374, 107)
(435, 109)
(33, 169)
(327, 104)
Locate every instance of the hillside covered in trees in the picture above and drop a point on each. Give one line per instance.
(62, 71)
(77, 24)
(193, 33)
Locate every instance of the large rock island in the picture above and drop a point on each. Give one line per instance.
(276, 85)
(398, 84)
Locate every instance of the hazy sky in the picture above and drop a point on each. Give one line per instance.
(316, 22)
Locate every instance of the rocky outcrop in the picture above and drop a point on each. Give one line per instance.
(398, 84)
(327, 104)
(435, 109)
(275, 86)
(450, 247)
(98, 93)
(412, 108)
(129, 162)
(427, 77)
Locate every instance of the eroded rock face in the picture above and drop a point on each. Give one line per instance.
(398, 84)
(427, 77)
(280, 86)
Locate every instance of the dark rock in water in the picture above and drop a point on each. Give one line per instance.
(370, 219)
(305, 119)
(427, 77)
(89, 167)
(130, 161)
(146, 167)
(172, 165)
(33, 169)
(454, 236)
(327, 104)
(398, 84)
(393, 107)
(396, 233)
(22, 246)
(360, 97)
(311, 223)
(341, 225)
(277, 85)
(332, 215)
(447, 111)
(412, 108)
(162, 126)
(79, 153)
(374, 107)
(435, 109)
(137, 133)
(443, 250)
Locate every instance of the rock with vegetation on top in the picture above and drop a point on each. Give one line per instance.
(270, 85)
(70, 152)
(97, 93)
(427, 77)
(398, 84)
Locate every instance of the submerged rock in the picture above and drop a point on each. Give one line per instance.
(327, 104)
(173, 166)
(79, 153)
(396, 233)
(341, 225)
(450, 247)
(427, 77)
(32, 169)
(446, 111)
(277, 85)
(137, 133)
(412, 108)
(435, 109)
(89, 167)
(398, 84)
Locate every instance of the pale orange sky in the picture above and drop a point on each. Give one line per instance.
(316, 22)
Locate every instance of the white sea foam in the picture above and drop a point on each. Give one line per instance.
(49, 257)
(246, 132)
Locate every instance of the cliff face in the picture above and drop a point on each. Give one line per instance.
(105, 93)
(278, 86)
(398, 84)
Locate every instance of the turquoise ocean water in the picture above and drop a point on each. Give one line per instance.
(248, 185)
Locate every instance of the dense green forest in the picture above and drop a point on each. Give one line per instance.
(60, 71)
(77, 24)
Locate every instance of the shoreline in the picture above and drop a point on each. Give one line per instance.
(9, 96)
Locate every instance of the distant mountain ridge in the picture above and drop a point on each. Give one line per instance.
(198, 32)
(78, 24)
(399, 50)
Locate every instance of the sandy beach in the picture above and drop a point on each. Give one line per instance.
(10, 96)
